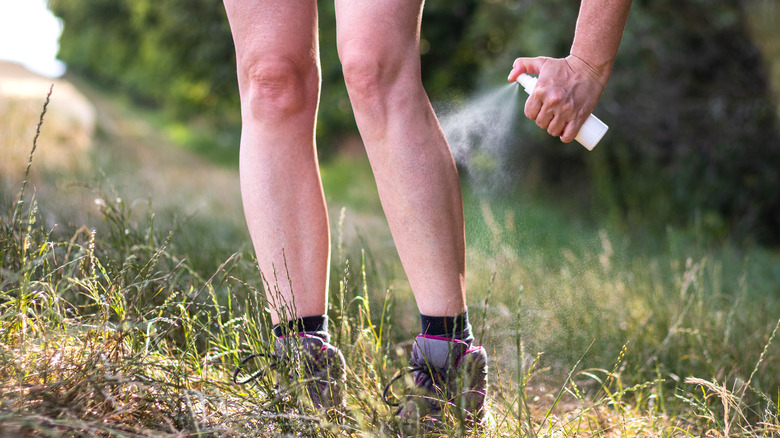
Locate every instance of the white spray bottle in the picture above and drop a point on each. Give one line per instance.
(591, 132)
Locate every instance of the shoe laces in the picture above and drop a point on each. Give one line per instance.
(257, 374)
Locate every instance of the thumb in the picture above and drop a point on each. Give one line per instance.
(526, 65)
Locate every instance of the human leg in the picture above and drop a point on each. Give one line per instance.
(278, 76)
(378, 43)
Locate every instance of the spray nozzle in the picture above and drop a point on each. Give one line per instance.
(527, 81)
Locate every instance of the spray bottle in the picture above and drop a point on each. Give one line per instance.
(591, 132)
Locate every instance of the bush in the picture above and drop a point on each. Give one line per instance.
(693, 139)
(693, 134)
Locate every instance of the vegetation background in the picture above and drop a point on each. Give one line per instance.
(632, 290)
(690, 92)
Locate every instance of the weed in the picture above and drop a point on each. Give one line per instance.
(112, 331)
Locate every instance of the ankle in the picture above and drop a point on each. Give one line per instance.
(451, 327)
(316, 325)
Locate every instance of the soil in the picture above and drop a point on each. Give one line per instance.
(100, 146)
(70, 122)
(128, 158)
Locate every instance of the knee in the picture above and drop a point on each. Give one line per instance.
(368, 72)
(277, 87)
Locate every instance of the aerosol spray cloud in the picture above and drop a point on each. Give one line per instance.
(482, 135)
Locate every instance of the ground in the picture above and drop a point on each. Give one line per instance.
(101, 139)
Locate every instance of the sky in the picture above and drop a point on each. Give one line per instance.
(29, 35)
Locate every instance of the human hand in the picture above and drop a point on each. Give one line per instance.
(565, 94)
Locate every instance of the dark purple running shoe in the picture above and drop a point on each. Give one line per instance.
(447, 374)
(308, 360)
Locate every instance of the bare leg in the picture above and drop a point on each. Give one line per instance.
(378, 42)
(279, 79)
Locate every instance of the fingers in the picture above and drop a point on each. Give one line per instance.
(564, 95)
(554, 124)
(570, 129)
(570, 132)
(532, 108)
(526, 65)
(544, 106)
(551, 108)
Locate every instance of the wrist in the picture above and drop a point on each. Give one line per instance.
(600, 70)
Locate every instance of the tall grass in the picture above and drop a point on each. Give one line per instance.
(649, 318)
(112, 330)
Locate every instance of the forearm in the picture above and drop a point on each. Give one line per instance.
(598, 32)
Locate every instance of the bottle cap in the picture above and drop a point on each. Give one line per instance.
(591, 132)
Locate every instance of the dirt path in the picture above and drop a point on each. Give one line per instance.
(143, 164)
(131, 159)
(70, 122)
(88, 139)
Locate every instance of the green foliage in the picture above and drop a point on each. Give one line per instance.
(178, 54)
(570, 290)
(698, 138)
(109, 332)
(693, 135)
(693, 131)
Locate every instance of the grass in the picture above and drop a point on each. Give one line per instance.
(125, 328)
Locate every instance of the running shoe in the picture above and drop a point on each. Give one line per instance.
(446, 374)
(308, 360)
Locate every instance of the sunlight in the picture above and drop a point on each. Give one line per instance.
(29, 35)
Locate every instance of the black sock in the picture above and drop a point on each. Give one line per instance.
(311, 325)
(453, 327)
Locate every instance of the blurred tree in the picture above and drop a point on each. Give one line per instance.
(697, 138)
(174, 53)
(693, 135)
(449, 65)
